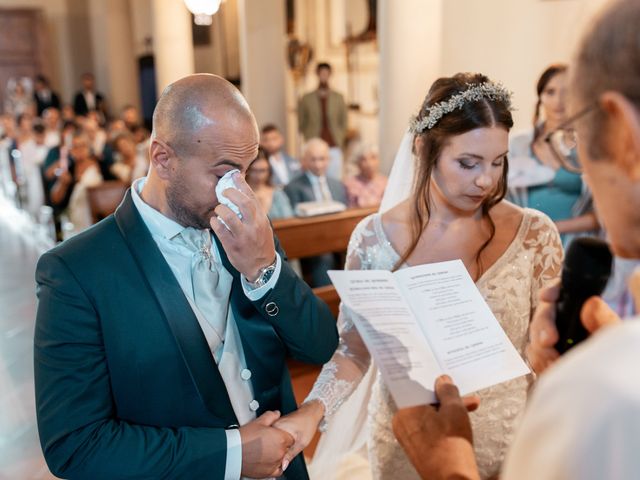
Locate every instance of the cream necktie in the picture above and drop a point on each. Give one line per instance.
(324, 189)
(209, 294)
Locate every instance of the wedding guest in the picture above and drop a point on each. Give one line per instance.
(130, 164)
(18, 99)
(24, 129)
(96, 116)
(455, 210)
(365, 189)
(33, 153)
(283, 166)
(55, 163)
(44, 96)
(96, 135)
(563, 197)
(8, 126)
(73, 180)
(68, 114)
(88, 98)
(69, 129)
(273, 200)
(131, 117)
(114, 129)
(322, 113)
(142, 137)
(315, 185)
(582, 420)
(52, 125)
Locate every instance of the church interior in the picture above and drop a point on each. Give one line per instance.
(81, 79)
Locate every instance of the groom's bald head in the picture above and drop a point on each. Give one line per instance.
(189, 105)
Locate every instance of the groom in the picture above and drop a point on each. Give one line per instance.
(161, 330)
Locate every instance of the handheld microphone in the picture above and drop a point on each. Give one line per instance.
(585, 272)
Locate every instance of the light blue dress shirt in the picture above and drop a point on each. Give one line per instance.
(164, 230)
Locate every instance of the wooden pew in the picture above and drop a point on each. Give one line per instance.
(306, 237)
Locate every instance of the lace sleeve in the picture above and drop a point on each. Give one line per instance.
(543, 241)
(342, 374)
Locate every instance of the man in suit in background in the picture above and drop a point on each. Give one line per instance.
(283, 166)
(88, 98)
(44, 96)
(166, 326)
(313, 184)
(323, 113)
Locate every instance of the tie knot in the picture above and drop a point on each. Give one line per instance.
(198, 241)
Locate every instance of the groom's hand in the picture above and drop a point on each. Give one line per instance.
(248, 242)
(263, 447)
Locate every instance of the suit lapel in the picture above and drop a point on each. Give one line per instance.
(177, 311)
(335, 190)
(308, 189)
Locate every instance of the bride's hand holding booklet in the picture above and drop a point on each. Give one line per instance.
(424, 321)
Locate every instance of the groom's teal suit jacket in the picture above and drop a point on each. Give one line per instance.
(126, 386)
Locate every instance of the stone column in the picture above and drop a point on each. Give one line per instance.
(114, 60)
(262, 59)
(411, 42)
(172, 41)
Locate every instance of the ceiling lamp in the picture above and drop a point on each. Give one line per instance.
(203, 10)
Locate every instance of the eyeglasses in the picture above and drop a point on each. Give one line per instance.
(564, 139)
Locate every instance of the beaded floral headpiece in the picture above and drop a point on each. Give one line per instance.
(475, 93)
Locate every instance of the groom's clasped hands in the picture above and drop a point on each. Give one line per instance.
(272, 441)
(264, 447)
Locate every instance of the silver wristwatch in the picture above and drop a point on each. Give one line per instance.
(264, 275)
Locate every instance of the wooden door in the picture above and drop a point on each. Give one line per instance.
(22, 46)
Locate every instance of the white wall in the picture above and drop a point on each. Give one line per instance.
(141, 26)
(114, 62)
(172, 42)
(262, 59)
(512, 41)
(410, 59)
(222, 55)
(80, 40)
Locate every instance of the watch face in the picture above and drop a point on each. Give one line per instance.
(268, 273)
(265, 276)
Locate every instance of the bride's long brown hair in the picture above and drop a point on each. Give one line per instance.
(472, 115)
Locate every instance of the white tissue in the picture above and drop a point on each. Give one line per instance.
(224, 183)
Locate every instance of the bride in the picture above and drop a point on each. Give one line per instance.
(455, 210)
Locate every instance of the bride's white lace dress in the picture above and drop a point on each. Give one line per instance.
(510, 287)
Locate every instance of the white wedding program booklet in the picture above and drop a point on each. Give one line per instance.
(424, 321)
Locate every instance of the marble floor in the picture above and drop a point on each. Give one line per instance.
(20, 454)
